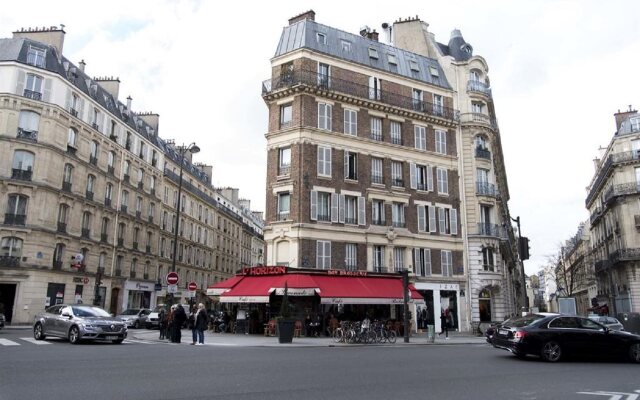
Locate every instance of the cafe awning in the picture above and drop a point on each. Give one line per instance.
(256, 289)
(363, 290)
(218, 288)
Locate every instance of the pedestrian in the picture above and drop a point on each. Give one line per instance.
(202, 320)
(191, 323)
(162, 323)
(444, 328)
(180, 316)
(170, 329)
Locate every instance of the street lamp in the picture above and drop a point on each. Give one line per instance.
(193, 148)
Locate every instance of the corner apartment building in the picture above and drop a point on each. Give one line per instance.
(365, 166)
(575, 275)
(614, 210)
(90, 192)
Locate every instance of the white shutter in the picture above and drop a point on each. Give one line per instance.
(314, 205)
(46, 97)
(427, 261)
(334, 207)
(320, 160)
(341, 209)
(362, 217)
(67, 102)
(416, 261)
(103, 126)
(81, 109)
(346, 164)
(321, 114)
(327, 161)
(319, 254)
(327, 255)
(442, 220)
(454, 221)
(413, 176)
(430, 178)
(421, 218)
(20, 83)
(432, 219)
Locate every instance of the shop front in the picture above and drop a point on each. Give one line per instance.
(138, 295)
(440, 300)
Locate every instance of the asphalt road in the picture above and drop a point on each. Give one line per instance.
(151, 370)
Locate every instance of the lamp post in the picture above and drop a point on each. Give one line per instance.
(193, 148)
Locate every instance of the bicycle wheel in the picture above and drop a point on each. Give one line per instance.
(391, 337)
(338, 335)
(371, 337)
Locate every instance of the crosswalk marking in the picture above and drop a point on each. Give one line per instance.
(32, 340)
(7, 342)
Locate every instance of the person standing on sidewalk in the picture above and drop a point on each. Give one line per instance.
(444, 320)
(178, 321)
(191, 323)
(162, 323)
(202, 320)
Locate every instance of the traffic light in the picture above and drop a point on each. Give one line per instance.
(523, 248)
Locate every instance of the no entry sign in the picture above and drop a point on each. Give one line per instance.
(192, 286)
(172, 278)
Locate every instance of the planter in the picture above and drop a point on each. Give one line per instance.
(285, 330)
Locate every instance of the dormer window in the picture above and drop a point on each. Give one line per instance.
(36, 56)
(434, 71)
(635, 124)
(321, 38)
(373, 53)
(413, 65)
(392, 59)
(346, 46)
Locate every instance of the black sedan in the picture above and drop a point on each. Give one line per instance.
(553, 337)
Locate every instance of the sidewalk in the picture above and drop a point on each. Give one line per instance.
(241, 340)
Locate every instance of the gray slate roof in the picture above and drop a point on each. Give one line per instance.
(302, 34)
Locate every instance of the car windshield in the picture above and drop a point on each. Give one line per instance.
(89, 312)
(130, 311)
(518, 322)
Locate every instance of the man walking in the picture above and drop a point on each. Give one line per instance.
(444, 321)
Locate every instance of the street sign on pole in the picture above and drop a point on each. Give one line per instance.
(172, 288)
(192, 286)
(172, 278)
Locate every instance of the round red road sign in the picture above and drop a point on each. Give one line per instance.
(172, 278)
(192, 286)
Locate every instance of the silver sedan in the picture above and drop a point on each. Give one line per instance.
(77, 322)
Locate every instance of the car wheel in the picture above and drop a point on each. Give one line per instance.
(136, 325)
(551, 351)
(118, 341)
(634, 352)
(74, 335)
(520, 356)
(38, 332)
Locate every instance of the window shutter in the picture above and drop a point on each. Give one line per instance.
(346, 164)
(454, 221)
(20, 83)
(362, 217)
(334, 207)
(421, 218)
(46, 96)
(81, 109)
(416, 261)
(327, 161)
(67, 102)
(103, 125)
(319, 254)
(314, 205)
(413, 176)
(341, 209)
(427, 261)
(430, 178)
(321, 114)
(441, 219)
(321, 160)
(432, 218)
(328, 111)
(327, 255)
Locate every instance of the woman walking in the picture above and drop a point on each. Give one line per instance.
(201, 321)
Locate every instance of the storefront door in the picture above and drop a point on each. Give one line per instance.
(55, 294)
(7, 298)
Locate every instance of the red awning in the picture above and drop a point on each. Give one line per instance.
(218, 288)
(256, 289)
(361, 290)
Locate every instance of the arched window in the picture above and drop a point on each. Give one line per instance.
(86, 224)
(63, 214)
(111, 159)
(122, 230)
(108, 194)
(72, 137)
(22, 167)
(93, 159)
(127, 167)
(91, 180)
(11, 247)
(28, 125)
(134, 266)
(16, 213)
(58, 255)
(68, 174)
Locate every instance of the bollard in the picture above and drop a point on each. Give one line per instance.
(431, 333)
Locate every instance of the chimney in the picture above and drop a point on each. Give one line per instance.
(373, 35)
(129, 104)
(52, 36)
(110, 84)
(82, 64)
(622, 116)
(207, 169)
(305, 15)
(152, 119)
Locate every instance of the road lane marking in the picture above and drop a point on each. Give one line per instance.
(33, 341)
(7, 342)
(615, 395)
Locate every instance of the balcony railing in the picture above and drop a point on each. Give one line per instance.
(110, 169)
(71, 150)
(150, 219)
(57, 264)
(15, 219)
(595, 215)
(147, 249)
(93, 160)
(397, 182)
(120, 242)
(145, 276)
(132, 274)
(32, 95)
(396, 140)
(95, 126)
(376, 136)
(107, 202)
(399, 224)
(480, 87)
(377, 179)
(126, 178)
(351, 220)
(378, 222)
(9, 262)
(379, 268)
(284, 170)
(479, 118)
(73, 112)
(140, 185)
(104, 238)
(21, 174)
(62, 227)
(622, 189)
(491, 230)
(283, 216)
(28, 135)
(487, 189)
(89, 195)
(324, 217)
(483, 153)
(323, 82)
(118, 272)
(135, 245)
(123, 208)
(86, 233)
(66, 186)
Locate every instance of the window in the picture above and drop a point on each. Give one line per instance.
(396, 174)
(420, 133)
(396, 132)
(413, 65)
(140, 176)
(286, 73)
(91, 180)
(397, 215)
(67, 175)
(426, 218)
(377, 212)
(351, 122)
(417, 100)
(72, 137)
(108, 194)
(421, 177)
(443, 181)
(480, 142)
(350, 209)
(448, 220)
(152, 183)
(324, 206)
(398, 259)
(350, 165)
(346, 46)
(324, 116)
(16, 213)
(104, 227)
(324, 161)
(321, 38)
(323, 251)
(487, 259)
(284, 204)
(93, 158)
(86, 224)
(476, 108)
(28, 123)
(127, 168)
(324, 75)
(422, 261)
(438, 105)
(111, 159)
(378, 259)
(36, 56)
(373, 53)
(351, 257)
(284, 161)
(635, 124)
(376, 128)
(441, 142)
(11, 247)
(134, 265)
(63, 212)
(33, 88)
(58, 255)
(151, 211)
(446, 260)
(286, 115)
(124, 200)
(392, 59)
(122, 229)
(138, 204)
(376, 171)
(375, 88)
(22, 166)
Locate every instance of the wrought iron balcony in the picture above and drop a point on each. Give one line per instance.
(86, 233)
(95, 126)
(57, 264)
(120, 242)
(21, 174)
(30, 94)
(493, 230)
(145, 276)
(15, 219)
(147, 249)
(123, 208)
(89, 195)
(324, 217)
(595, 215)
(421, 186)
(62, 227)
(150, 219)
(110, 169)
(113, 137)
(104, 238)
(28, 135)
(283, 216)
(321, 82)
(378, 222)
(73, 112)
(118, 272)
(399, 224)
(9, 262)
(483, 153)
(138, 213)
(93, 160)
(351, 220)
(71, 150)
(107, 202)
(132, 274)
(379, 268)
(141, 185)
(284, 170)
(622, 189)
(396, 140)
(377, 179)
(487, 189)
(126, 178)
(135, 245)
(376, 136)
(479, 87)
(66, 186)
(479, 118)
(397, 182)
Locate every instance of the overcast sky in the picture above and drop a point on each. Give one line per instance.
(558, 70)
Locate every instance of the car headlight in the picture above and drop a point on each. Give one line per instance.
(89, 326)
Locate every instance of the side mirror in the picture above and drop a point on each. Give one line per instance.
(66, 314)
